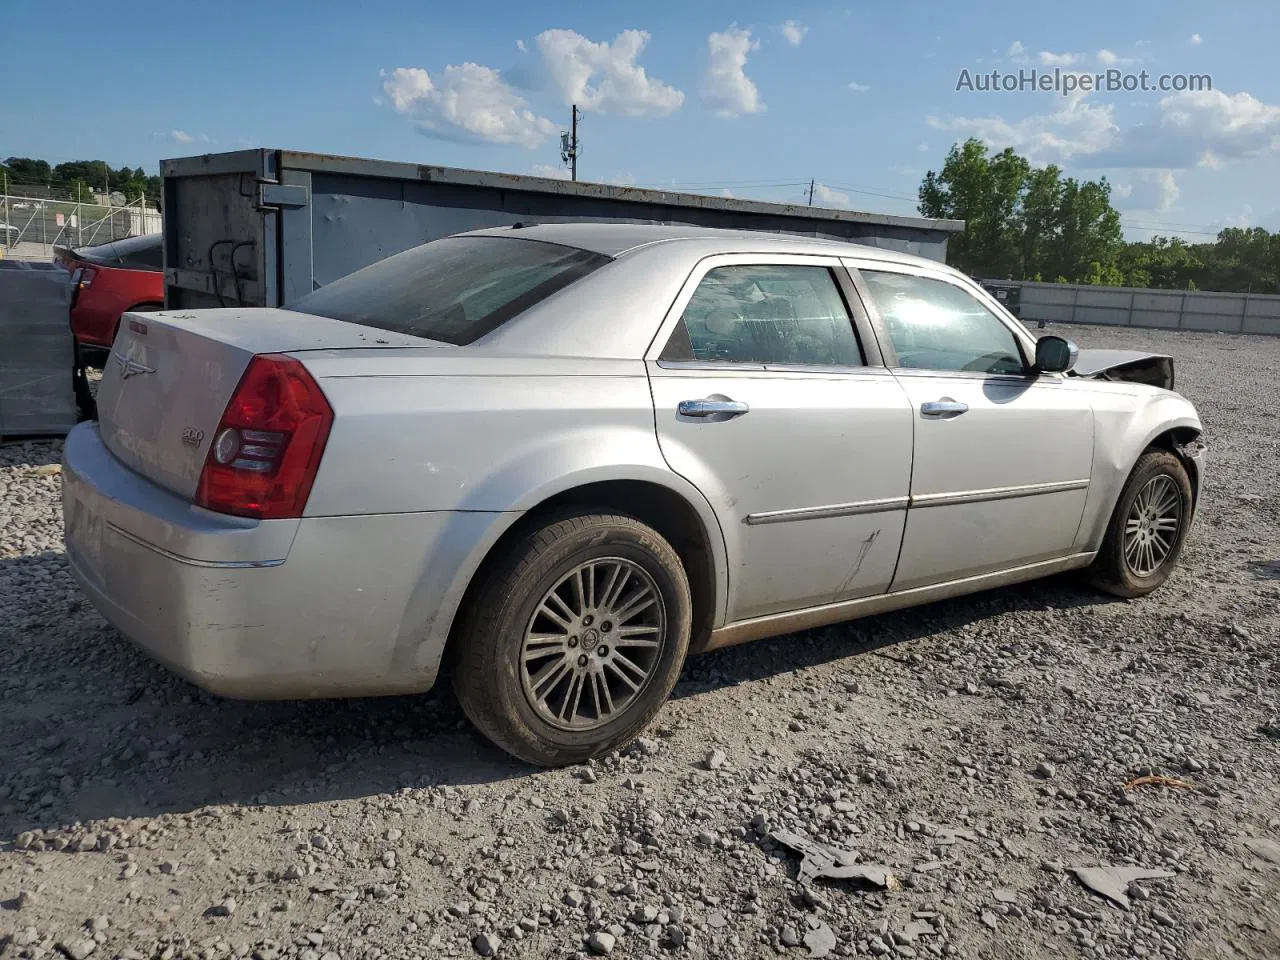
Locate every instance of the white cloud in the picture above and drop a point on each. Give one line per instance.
(1195, 40)
(182, 136)
(727, 193)
(1017, 50)
(1245, 218)
(923, 148)
(1198, 128)
(826, 197)
(522, 46)
(1107, 57)
(794, 31)
(470, 104)
(1193, 128)
(726, 88)
(859, 87)
(1078, 128)
(1151, 192)
(550, 170)
(1050, 59)
(605, 76)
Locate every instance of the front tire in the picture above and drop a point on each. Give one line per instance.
(574, 638)
(1145, 536)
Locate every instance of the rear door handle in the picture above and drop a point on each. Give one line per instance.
(946, 407)
(721, 409)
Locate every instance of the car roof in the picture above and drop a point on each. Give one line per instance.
(623, 239)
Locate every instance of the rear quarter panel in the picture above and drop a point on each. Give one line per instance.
(1127, 418)
(482, 437)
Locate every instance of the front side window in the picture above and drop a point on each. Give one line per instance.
(767, 314)
(454, 290)
(935, 325)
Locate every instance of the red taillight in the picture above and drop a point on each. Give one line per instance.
(267, 448)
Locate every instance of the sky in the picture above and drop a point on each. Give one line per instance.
(748, 99)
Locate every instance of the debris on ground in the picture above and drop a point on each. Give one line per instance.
(833, 863)
(1114, 882)
(1152, 780)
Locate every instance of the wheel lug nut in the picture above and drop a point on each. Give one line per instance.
(582, 660)
(573, 641)
(606, 627)
(586, 621)
(602, 650)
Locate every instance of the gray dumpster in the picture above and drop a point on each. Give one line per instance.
(36, 349)
(265, 227)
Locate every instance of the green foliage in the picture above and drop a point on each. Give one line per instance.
(89, 176)
(1026, 223)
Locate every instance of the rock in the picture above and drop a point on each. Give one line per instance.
(716, 919)
(601, 943)
(486, 944)
(716, 759)
(321, 842)
(674, 936)
(224, 909)
(989, 919)
(648, 747)
(1004, 895)
(1264, 849)
(820, 940)
(789, 936)
(1112, 882)
(78, 948)
(574, 899)
(1162, 918)
(644, 913)
(1046, 770)
(877, 946)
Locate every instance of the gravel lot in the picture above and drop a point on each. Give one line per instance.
(977, 748)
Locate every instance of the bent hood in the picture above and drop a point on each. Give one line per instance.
(1134, 366)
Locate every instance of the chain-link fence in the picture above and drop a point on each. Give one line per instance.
(31, 226)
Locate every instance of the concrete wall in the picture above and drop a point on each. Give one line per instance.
(1135, 307)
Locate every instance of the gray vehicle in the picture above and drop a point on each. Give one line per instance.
(554, 460)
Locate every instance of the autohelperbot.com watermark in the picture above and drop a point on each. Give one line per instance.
(1067, 82)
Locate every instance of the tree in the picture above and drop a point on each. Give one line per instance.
(985, 192)
(1022, 222)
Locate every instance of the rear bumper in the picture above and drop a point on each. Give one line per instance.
(281, 609)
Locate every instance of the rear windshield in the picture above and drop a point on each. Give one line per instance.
(454, 290)
(135, 253)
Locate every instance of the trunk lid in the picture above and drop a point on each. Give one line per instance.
(170, 376)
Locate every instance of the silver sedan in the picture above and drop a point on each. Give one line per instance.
(554, 460)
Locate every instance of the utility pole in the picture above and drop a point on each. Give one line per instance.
(811, 193)
(569, 146)
(5, 238)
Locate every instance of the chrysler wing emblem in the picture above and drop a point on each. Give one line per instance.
(131, 368)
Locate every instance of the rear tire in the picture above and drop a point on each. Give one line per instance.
(1148, 527)
(574, 638)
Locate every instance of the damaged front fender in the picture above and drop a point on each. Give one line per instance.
(1133, 366)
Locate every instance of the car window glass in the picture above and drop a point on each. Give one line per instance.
(455, 290)
(770, 314)
(935, 325)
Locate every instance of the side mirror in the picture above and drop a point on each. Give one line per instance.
(1055, 354)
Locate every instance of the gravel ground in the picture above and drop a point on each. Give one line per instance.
(978, 749)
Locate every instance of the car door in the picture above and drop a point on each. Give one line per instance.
(771, 401)
(1003, 455)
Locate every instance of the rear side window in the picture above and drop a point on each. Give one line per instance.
(766, 314)
(454, 290)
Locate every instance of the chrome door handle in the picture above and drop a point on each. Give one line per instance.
(943, 408)
(724, 409)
